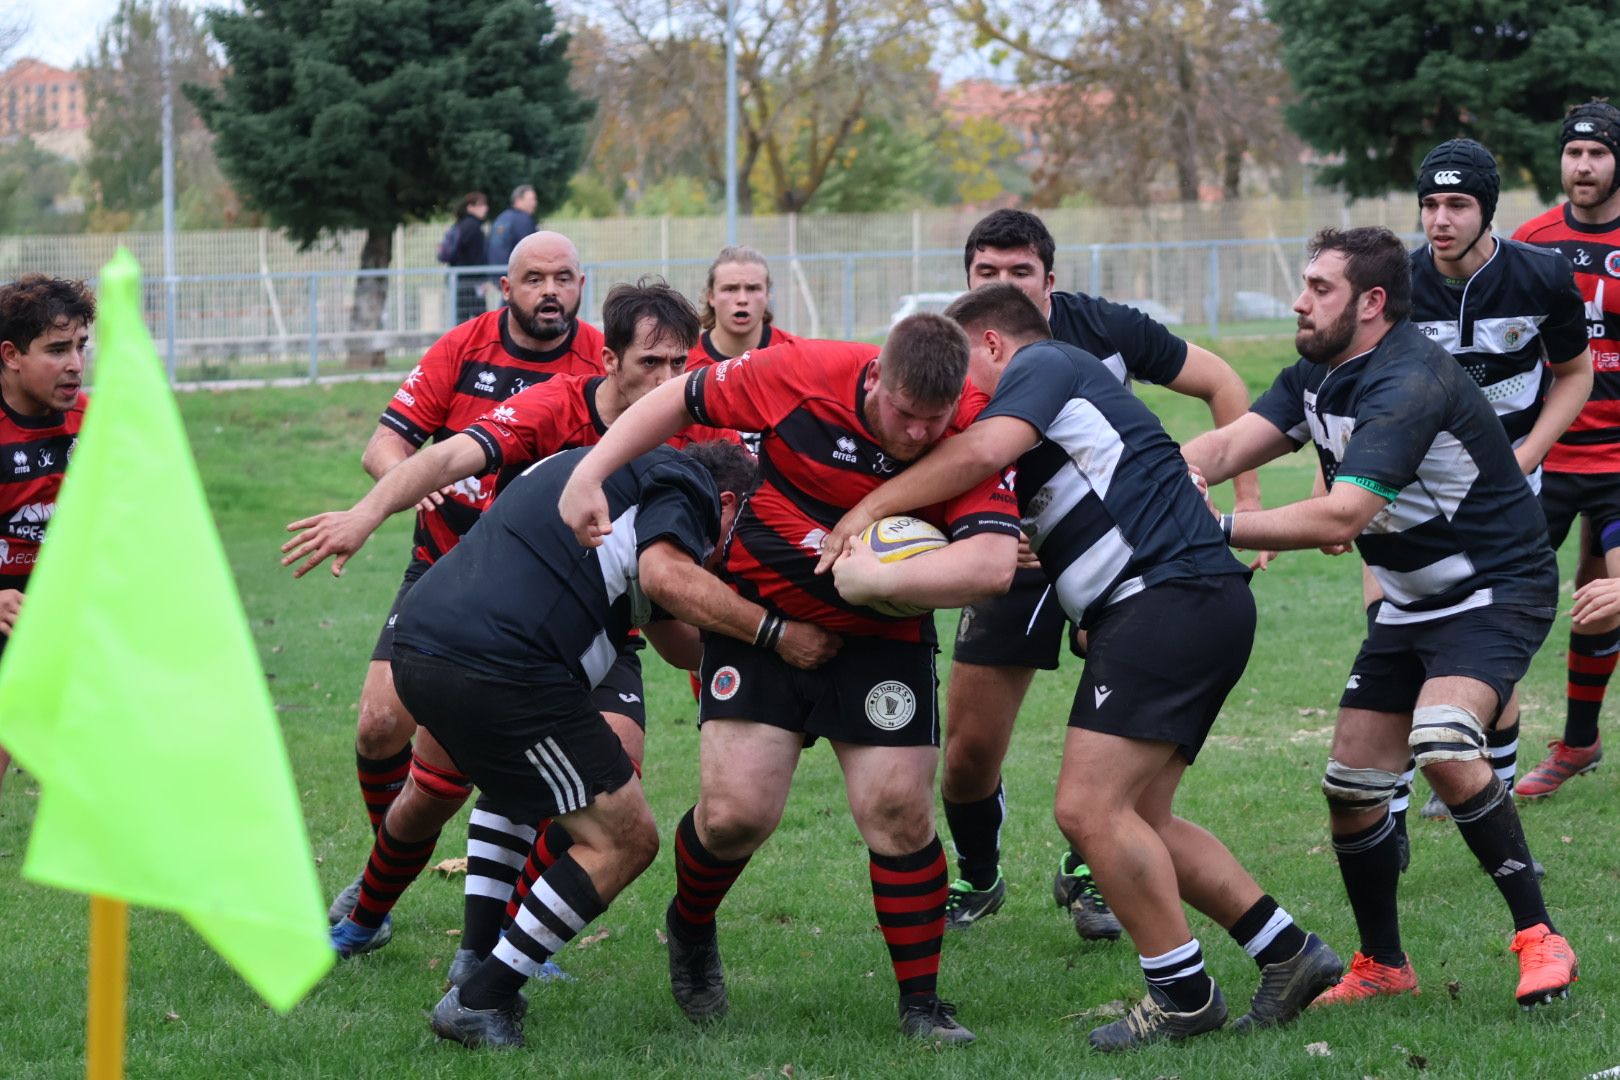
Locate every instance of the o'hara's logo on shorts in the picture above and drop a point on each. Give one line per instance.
(891, 705)
(725, 684)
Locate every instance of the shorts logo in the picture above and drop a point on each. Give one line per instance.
(1354, 683)
(1612, 264)
(725, 684)
(1101, 693)
(891, 705)
(1448, 176)
(629, 699)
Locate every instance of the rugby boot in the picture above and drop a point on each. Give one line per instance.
(1368, 978)
(1151, 1020)
(1288, 987)
(696, 976)
(349, 938)
(475, 1029)
(1073, 888)
(465, 962)
(346, 901)
(1564, 762)
(965, 905)
(1547, 966)
(932, 1020)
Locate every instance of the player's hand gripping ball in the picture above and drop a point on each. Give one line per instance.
(895, 538)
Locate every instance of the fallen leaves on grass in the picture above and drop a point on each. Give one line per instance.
(589, 939)
(663, 938)
(1454, 988)
(170, 1017)
(1319, 1049)
(448, 867)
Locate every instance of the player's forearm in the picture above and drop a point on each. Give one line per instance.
(695, 596)
(1310, 523)
(966, 572)
(643, 426)
(413, 479)
(955, 465)
(1571, 386)
(385, 450)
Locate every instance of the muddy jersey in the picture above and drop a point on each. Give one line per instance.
(817, 459)
(1592, 443)
(469, 370)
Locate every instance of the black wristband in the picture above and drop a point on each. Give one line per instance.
(778, 625)
(770, 630)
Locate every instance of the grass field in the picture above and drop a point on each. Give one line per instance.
(812, 993)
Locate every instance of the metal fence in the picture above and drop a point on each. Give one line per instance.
(251, 305)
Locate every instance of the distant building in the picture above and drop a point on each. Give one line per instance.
(36, 99)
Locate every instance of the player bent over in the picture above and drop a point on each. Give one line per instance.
(499, 667)
(1422, 477)
(1138, 561)
(835, 418)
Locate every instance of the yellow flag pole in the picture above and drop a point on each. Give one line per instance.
(109, 968)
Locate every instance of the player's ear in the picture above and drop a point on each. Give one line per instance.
(873, 375)
(610, 360)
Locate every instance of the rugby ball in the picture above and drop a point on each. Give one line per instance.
(897, 538)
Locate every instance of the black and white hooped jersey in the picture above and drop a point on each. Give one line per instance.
(1105, 496)
(518, 592)
(1517, 313)
(1129, 344)
(1462, 528)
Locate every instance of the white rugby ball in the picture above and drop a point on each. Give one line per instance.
(897, 538)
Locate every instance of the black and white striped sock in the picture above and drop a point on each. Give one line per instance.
(497, 847)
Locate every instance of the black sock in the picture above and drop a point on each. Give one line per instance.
(1180, 976)
(1490, 824)
(561, 904)
(1370, 863)
(1502, 743)
(1268, 933)
(976, 835)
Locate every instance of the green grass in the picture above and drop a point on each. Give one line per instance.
(812, 993)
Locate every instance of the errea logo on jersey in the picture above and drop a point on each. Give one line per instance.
(1448, 176)
(486, 381)
(19, 463)
(844, 449)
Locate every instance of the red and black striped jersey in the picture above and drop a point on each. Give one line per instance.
(704, 354)
(817, 459)
(469, 369)
(558, 415)
(1592, 443)
(34, 454)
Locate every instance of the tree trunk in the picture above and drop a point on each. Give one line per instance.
(1232, 167)
(369, 348)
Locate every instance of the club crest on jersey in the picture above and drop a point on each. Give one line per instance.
(891, 705)
(1612, 264)
(725, 684)
(844, 449)
(1513, 336)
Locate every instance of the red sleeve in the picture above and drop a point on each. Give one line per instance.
(530, 424)
(754, 391)
(421, 405)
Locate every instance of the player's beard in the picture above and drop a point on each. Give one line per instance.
(1321, 345)
(547, 327)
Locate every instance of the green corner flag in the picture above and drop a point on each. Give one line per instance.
(132, 690)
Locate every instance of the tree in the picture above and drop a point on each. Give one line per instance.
(364, 114)
(810, 74)
(1131, 88)
(1381, 82)
(33, 182)
(123, 90)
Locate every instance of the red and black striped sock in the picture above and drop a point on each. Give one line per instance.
(908, 892)
(1591, 663)
(551, 843)
(381, 780)
(393, 865)
(702, 880)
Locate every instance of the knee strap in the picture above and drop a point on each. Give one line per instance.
(437, 783)
(1445, 733)
(1356, 790)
